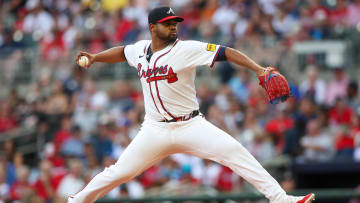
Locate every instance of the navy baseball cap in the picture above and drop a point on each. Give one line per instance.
(161, 14)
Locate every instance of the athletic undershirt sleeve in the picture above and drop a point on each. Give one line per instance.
(199, 53)
(221, 55)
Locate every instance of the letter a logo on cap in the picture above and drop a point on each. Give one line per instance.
(170, 11)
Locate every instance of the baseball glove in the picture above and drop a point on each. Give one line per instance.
(275, 85)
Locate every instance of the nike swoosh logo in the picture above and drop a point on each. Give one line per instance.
(141, 56)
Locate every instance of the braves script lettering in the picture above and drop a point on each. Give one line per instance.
(151, 74)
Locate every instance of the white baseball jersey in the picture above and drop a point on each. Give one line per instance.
(168, 78)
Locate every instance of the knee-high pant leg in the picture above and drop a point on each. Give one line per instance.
(203, 139)
(148, 147)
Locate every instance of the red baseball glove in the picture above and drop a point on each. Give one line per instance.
(275, 85)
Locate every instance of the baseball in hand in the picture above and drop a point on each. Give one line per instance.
(83, 61)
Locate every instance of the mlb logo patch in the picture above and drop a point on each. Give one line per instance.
(211, 47)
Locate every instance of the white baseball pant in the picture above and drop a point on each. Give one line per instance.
(198, 137)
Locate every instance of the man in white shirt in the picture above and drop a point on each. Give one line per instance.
(173, 123)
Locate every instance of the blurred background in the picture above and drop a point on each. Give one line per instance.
(60, 125)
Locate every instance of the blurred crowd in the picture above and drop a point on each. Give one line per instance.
(84, 128)
(264, 29)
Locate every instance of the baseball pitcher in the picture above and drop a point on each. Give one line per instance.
(173, 124)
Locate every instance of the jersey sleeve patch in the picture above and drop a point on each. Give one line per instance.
(211, 47)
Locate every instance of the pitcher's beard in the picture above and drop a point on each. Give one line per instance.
(172, 39)
(169, 38)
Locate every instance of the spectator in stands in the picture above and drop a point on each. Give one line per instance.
(136, 13)
(38, 19)
(8, 167)
(353, 15)
(353, 96)
(208, 32)
(250, 122)
(225, 180)
(344, 145)
(120, 26)
(192, 19)
(134, 118)
(261, 147)
(355, 133)
(120, 98)
(4, 187)
(120, 136)
(92, 165)
(313, 87)
(189, 163)
(73, 181)
(57, 103)
(102, 142)
(75, 144)
(19, 23)
(225, 17)
(341, 113)
(18, 160)
(216, 116)
(234, 117)
(241, 25)
(277, 126)
(98, 99)
(169, 170)
(11, 161)
(86, 117)
(210, 173)
(15, 103)
(306, 22)
(188, 181)
(97, 40)
(73, 84)
(223, 97)
(150, 178)
(10, 53)
(7, 119)
(53, 47)
(317, 145)
(269, 34)
(134, 34)
(337, 86)
(46, 183)
(240, 85)
(72, 35)
(205, 98)
(22, 187)
(338, 15)
(124, 130)
(135, 189)
(318, 10)
(63, 134)
(283, 23)
(55, 106)
(323, 118)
